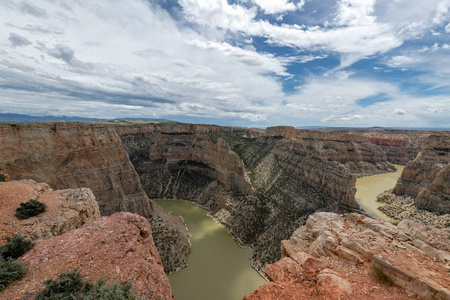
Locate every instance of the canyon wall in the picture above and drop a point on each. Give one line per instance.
(260, 187)
(427, 178)
(400, 146)
(72, 155)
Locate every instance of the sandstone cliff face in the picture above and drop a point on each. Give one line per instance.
(119, 247)
(427, 178)
(415, 257)
(259, 188)
(73, 155)
(358, 156)
(400, 146)
(66, 209)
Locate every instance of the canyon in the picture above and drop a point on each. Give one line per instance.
(261, 185)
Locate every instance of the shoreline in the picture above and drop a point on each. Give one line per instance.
(230, 233)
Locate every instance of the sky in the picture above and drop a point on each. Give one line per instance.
(249, 63)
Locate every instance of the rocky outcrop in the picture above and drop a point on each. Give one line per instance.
(66, 209)
(115, 248)
(72, 155)
(357, 249)
(427, 178)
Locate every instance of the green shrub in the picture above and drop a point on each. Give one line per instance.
(30, 209)
(71, 286)
(120, 291)
(66, 286)
(2, 178)
(15, 247)
(10, 271)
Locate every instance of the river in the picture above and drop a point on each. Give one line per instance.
(368, 188)
(217, 267)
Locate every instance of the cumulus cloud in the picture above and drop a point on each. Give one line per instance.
(29, 8)
(399, 112)
(62, 52)
(274, 7)
(18, 40)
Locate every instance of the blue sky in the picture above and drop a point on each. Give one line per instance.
(237, 62)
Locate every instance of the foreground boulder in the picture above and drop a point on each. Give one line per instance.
(341, 256)
(66, 209)
(119, 247)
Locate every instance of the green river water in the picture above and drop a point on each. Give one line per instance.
(368, 188)
(218, 269)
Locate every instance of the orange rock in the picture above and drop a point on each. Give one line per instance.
(119, 247)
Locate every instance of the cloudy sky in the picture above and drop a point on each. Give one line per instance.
(235, 62)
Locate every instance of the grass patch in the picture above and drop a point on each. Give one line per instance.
(10, 271)
(379, 275)
(72, 286)
(30, 209)
(15, 247)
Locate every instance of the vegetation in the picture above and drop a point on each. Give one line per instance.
(379, 275)
(72, 286)
(15, 247)
(10, 271)
(30, 209)
(2, 176)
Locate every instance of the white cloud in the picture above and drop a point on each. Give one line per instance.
(134, 59)
(447, 28)
(401, 61)
(357, 34)
(276, 6)
(130, 53)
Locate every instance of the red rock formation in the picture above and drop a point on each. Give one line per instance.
(427, 178)
(66, 209)
(119, 247)
(416, 258)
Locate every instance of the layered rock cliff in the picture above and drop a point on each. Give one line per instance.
(342, 257)
(427, 178)
(72, 155)
(260, 188)
(400, 146)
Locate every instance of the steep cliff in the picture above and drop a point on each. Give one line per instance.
(354, 251)
(72, 155)
(259, 187)
(427, 178)
(115, 248)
